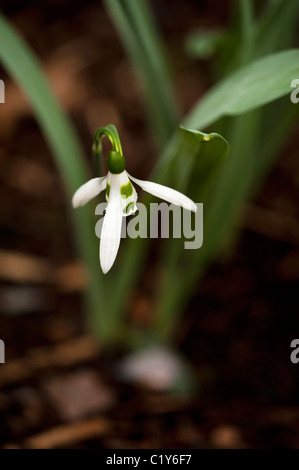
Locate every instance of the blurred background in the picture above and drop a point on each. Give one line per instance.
(61, 386)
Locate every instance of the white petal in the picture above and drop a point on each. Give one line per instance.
(129, 206)
(88, 191)
(168, 194)
(121, 182)
(119, 179)
(111, 230)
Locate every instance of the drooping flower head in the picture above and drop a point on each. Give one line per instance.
(121, 195)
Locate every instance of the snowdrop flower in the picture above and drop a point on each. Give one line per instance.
(121, 197)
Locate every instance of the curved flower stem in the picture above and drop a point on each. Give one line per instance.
(109, 131)
(112, 128)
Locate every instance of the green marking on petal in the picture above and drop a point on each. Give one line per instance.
(107, 190)
(129, 207)
(126, 190)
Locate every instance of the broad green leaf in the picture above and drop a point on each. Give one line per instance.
(252, 86)
(205, 154)
(209, 149)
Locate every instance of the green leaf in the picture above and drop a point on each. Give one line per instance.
(247, 34)
(205, 155)
(277, 27)
(209, 149)
(202, 153)
(23, 66)
(136, 26)
(252, 86)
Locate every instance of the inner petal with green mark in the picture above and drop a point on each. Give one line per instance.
(107, 191)
(130, 208)
(126, 190)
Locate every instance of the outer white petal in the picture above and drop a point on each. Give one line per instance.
(111, 230)
(88, 191)
(168, 194)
